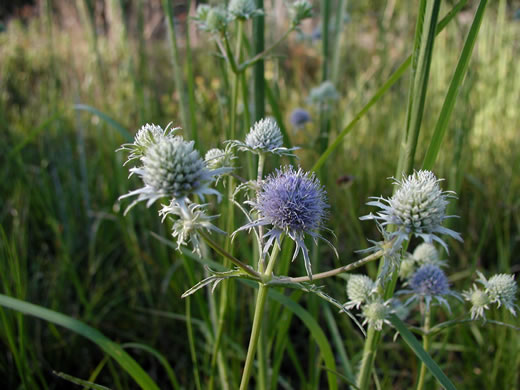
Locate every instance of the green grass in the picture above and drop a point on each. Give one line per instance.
(68, 102)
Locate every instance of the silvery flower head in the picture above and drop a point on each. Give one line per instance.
(375, 313)
(430, 282)
(243, 9)
(298, 11)
(359, 290)
(172, 168)
(299, 117)
(479, 300)
(265, 136)
(190, 218)
(217, 158)
(501, 289)
(418, 207)
(325, 93)
(293, 203)
(145, 137)
(212, 19)
(426, 253)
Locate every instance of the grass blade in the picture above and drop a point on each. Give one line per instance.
(81, 382)
(381, 91)
(108, 346)
(417, 348)
(453, 91)
(316, 332)
(421, 61)
(111, 122)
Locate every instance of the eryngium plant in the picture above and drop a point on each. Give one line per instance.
(293, 203)
(418, 207)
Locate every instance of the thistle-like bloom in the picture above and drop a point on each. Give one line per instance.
(299, 117)
(501, 289)
(359, 290)
(264, 137)
(300, 10)
(217, 158)
(430, 282)
(172, 168)
(243, 9)
(190, 218)
(376, 313)
(145, 137)
(323, 94)
(292, 203)
(418, 207)
(212, 19)
(479, 300)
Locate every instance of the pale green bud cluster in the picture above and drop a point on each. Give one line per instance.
(375, 313)
(359, 290)
(324, 93)
(217, 158)
(243, 9)
(300, 10)
(500, 289)
(212, 19)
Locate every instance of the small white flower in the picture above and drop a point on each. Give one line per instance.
(145, 137)
(217, 158)
(479, 302)
(191, 218)
(264, 137)
(426, 253)
(376, 313)
(418, 207)
(243, 9)
(408, 266)
(501, 289)
(300, 10)
(359, 290)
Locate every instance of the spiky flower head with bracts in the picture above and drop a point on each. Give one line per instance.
(264, 137)
(375, 313)
(218, 158)
(299, 117)
(188, 219)
(293, 203)
(359, 290)
(418, 207)
(429, 282)
(427, 253)
(243, 9)
(172, 168)
(323, 94)
(479, 300)
(145, 137)
(299, 11)
(501, 289)
(212, 19)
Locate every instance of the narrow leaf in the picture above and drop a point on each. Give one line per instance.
(453, 91)
(419, 351)
(113, 349)
(111, 122)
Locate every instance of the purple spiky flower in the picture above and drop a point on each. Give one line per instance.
(293, 202)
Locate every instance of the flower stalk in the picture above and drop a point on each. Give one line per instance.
(426, 346)
(258, 317)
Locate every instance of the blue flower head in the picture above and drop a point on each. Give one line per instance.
(299, 117)
(430, 282)
(292, 202)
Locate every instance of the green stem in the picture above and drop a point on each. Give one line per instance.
(243, 66)
(258, 69)
(258, 317)
(426, 346)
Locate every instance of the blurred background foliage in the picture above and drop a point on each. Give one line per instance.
(65, 245)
